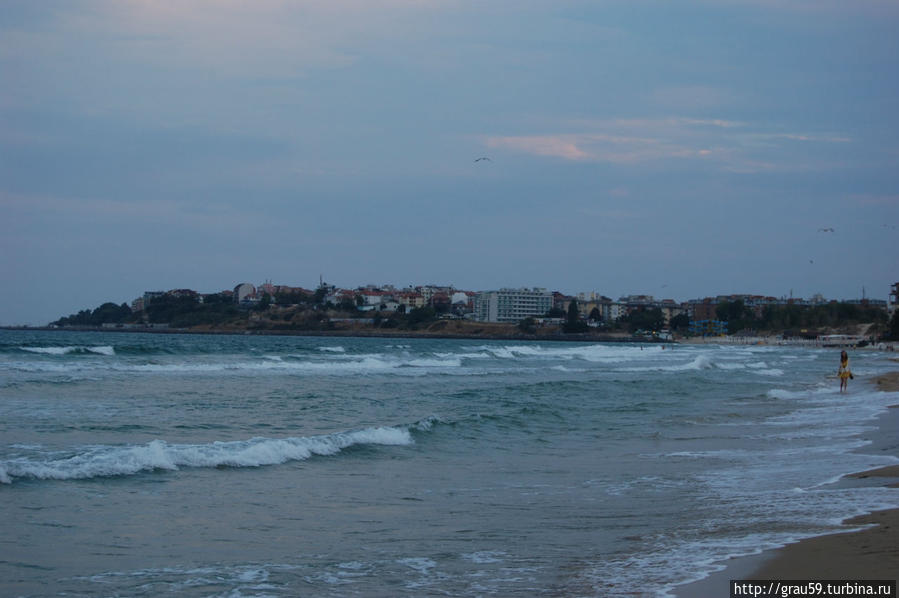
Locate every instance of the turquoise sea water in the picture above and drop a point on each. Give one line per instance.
(183, 465)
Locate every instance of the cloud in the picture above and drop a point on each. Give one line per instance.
(236, 37)
(732, 146)
(817, 7)
(558, 146)
(597, 147)
(802, 137)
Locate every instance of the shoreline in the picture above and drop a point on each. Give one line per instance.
(398, 334)
(870, 553)
(499, 333)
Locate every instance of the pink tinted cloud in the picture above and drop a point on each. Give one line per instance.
(616, 149)
(734, 146)
(559, 146)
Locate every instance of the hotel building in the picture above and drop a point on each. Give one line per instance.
(512, 305)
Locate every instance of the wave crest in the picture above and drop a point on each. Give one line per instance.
(105, 461)
(101, 350)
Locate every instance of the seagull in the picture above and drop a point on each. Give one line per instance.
(825, 230)
(483, 158)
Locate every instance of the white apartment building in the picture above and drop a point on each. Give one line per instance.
(512, 305)
(616, 311)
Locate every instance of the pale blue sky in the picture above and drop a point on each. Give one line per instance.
(680, 149)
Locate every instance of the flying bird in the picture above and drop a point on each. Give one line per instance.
(825, 230)
(483, 158)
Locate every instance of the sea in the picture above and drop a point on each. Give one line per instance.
(236, 466)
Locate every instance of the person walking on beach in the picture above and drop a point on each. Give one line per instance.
(844, 372)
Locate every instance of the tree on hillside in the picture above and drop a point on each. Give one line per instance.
(679, 322)
(108, 313)
(893, 331)
(555, 313)
(420, 315)
(573, 322)
(736, 314)
(264, 303)
(645, 319)
(347, 304)
(528, 325)
(297, 298)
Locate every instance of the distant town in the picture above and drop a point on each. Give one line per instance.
(536, 311)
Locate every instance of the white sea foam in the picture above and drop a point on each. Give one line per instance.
(594, 353)
(700, 362)
(779, 393)
(174, 580)
(50, 350)
(103, 461)
(486, 556)
(480, 355)
(662, 567)
(731, 366)
(332, 349)
(337, 365)
(427, 423)
(436, 363)
(420, 564)
(769, 372)
(99, 350)
(562, 368)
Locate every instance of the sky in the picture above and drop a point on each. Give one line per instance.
(677, 149)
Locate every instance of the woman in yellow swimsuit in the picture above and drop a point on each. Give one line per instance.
(844, 372)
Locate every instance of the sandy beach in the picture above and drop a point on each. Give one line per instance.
(872, 553)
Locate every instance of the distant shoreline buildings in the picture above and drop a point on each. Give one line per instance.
(506, 305)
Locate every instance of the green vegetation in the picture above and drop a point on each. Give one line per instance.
(177, 311)
(282, 312)
(296, 298)
(307, 311)
(893, 331)
(789, 317)
(528, 326)
(679, 323)
(108, 313)
(420, 315)
(573, 321)
(645, 319)
(187, 311)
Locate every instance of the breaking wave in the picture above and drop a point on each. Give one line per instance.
(594, 353)
(103, 350)
(106, 461)
(700, 362)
